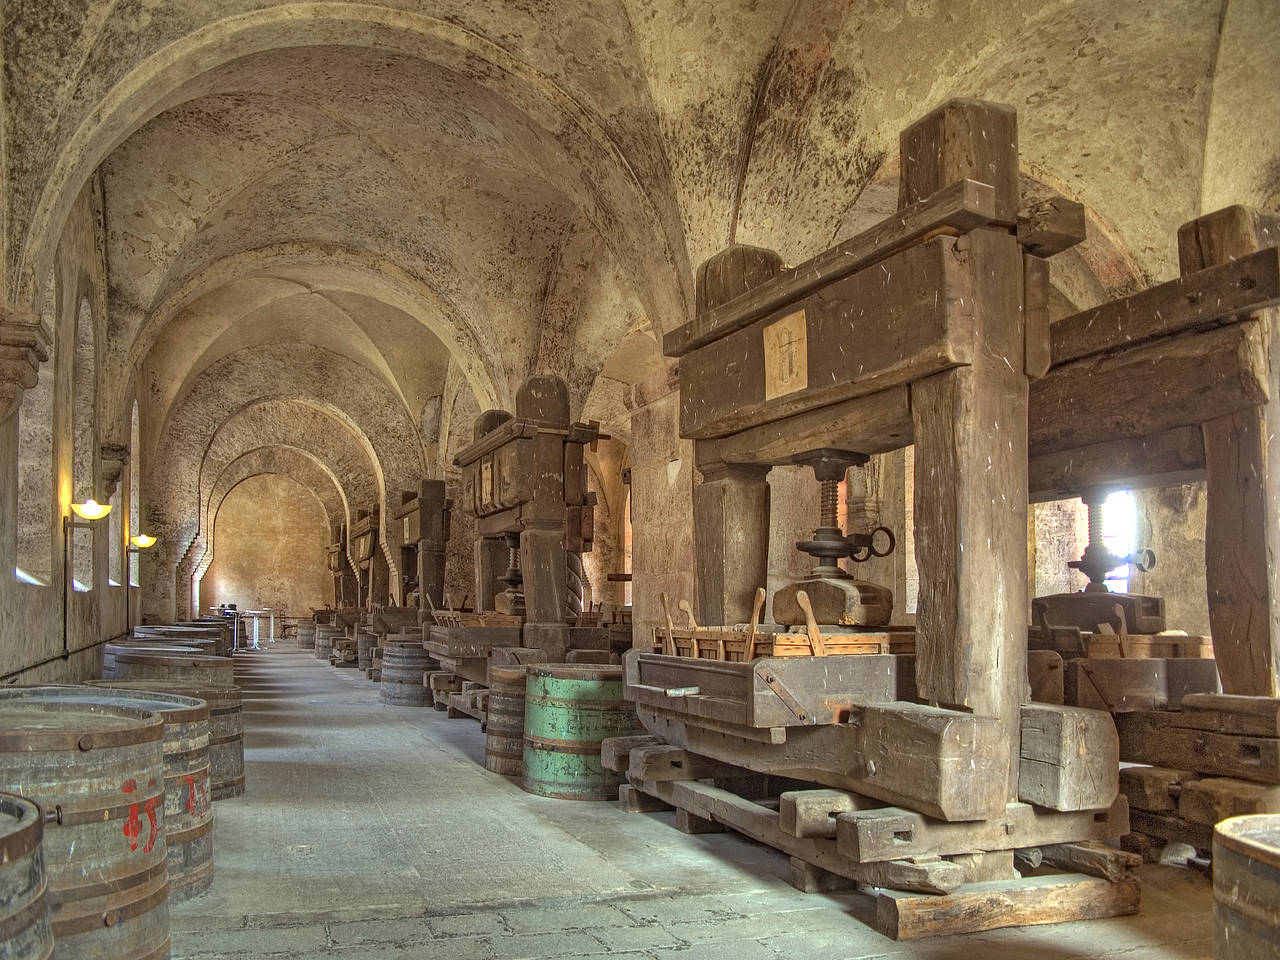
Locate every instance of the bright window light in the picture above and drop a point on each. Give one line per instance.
(1120, 533)
(25, 577)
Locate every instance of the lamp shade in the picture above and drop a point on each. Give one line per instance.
(142, 541)
(91, 509)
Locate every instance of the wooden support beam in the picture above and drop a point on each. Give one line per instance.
(866, 836)
(1095, 859)
(1151, 738)
(1050, 226)
(1172, 829)
(812, 813)
(1122, 684)
(1242, 525)
(664, 762)
(1167, 458)
(631, 800)
(1213, 799)
(615, 752)
(1153, 788)
(1226, 713)
(1217, 294)
(1008, 903)
(1070, 758)
(1131, 394)
(960, 207)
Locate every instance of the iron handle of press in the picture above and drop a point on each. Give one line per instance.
(862, 546)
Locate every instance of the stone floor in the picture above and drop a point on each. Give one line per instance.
(371, 832)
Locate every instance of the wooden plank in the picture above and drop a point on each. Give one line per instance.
(1166, 458)
(1070, 758)
(1213, 799)
(1222, 293)
(1035, 299)
(876, 423)
(1225, 713)
(1153, 788)
(1008, 903)
(1128, 394)
(1151, 738)
(960, 207)
(908, 316)
(1094, 859)
(866, 836)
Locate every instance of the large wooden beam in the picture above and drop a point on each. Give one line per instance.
(1162, 459)
(1242, 525)
(961, 206)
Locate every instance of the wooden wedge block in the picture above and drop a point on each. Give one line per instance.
(615, 752)
(1153, 788)
(812, 813)
(631, 800)
(807, 878)
(687, 822)
(1070, 758)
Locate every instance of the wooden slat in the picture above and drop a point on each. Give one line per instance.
(962, 206)
(1218, 294)
(1256, 716)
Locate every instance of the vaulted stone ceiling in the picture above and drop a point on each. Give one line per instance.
(389, 213)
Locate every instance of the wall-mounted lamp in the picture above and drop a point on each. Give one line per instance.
(91, 509)
(142, 541)
(88, 511)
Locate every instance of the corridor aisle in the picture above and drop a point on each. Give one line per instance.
(370, 832)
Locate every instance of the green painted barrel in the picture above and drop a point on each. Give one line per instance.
(569, 709)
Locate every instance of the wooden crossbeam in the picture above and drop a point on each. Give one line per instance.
(1217, 294)
(963, 206)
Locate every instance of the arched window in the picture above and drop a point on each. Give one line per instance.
(135, 489)
(36, 535)
(84, 383)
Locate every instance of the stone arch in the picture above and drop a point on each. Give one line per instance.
(36, 536)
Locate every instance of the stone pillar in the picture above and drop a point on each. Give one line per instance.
(662, 551)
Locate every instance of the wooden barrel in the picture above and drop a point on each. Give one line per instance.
(1246, 887)
(214, 639)
(99, 768)
(325, 635)
(569, 710)
(110, 649)
(226, 728)
(188, 818)
(403, 667)
(147, 663)
(24, 905)
(307, 634)
(504, 730)
(365, 642)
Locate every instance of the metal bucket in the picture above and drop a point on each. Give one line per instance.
(569, 709)
(1246, 887)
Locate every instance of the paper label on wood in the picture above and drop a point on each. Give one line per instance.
(406, 530)
(786, 356)
(486, 482)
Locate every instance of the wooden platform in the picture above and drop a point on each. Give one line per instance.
(472, 701)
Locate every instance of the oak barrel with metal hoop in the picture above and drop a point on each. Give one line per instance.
(98, 768)
(25, 933)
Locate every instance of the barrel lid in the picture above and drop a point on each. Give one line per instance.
(21, 826)
(1255, 836)
(576, 671)
(174, 708)
(42, 724)
(182, 688)
(154, 645)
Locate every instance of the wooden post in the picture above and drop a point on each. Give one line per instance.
(731, 540)
(433, 513)
(491, 555)
(1242, 525)
(971, 444)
